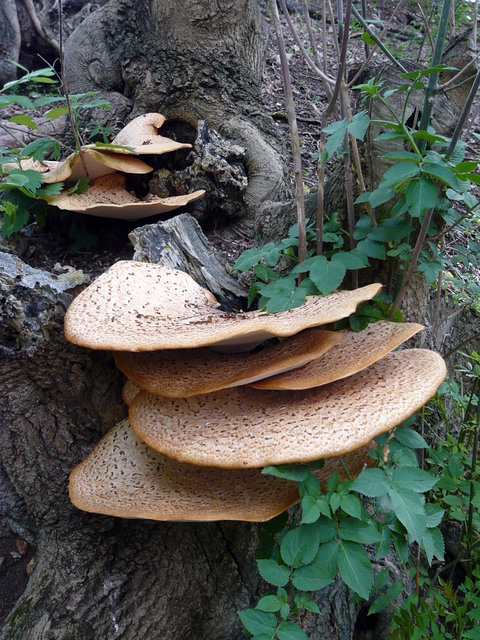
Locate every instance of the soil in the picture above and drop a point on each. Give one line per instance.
(50, 247)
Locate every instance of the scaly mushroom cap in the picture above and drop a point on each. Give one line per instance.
(141, 135)
(107, 197)
(98, 164)
(184, 373)
(129, 392)
(137, 306)
(242, 427)
(123, 477)
(354, 352)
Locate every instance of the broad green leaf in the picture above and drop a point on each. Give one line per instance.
(444, 174)
(50, 189)
(401, 156)
(300, 545)
(327, 275)
(466, 167)
(371, 483)
(355, 568)
(321, 572)
(14, 218)
(25, 120)
(410, 438)
(355, 531)
(257, 622)
(264, 272)
(420, 195)
(359, 125)
(283, 294)
(379, 604)
(391, 230)
(290, 631)
(334, 141)
(312, 606)
(57, 112)
(399, 173)
(404, 456)
(362, 228)
(247, 259)
(269, 604)
(310, 509)
(350, 260)
(351, 505)
(384, 544)
(312, 485)
(38, 149)
(413, 479)
(380, 196)
(409, 509)
(433, 545)
(372, 249)
(296, 472)
(273, 573)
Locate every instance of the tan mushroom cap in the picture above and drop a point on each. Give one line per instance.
(123, 477)
(136, 306)
(354, 352)
(129, 392)
(27, 164)
(97, 163)
(107, 197)
(243, 427)
(141, 135)
(184, 373)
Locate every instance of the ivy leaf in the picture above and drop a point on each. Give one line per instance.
(355, 568)
(283, 295)
(409, 509)
(420, 195)
(321, 572)
(412, 479)
(371, 483)
(300, 545)
(290, 631)
(273, 573)
(327, 275)
(258, 622)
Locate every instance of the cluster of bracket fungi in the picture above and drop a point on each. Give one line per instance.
(107, 166)
(209, 408)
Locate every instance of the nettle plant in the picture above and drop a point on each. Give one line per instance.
(419, 195)
(384, 508)
(22, 190)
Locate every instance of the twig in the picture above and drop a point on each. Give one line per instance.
(295, 141)
(308, 23)
(426, 26)
(364, 16)
(464, 115)
(334, 30)
(455, 78)
(463, 343)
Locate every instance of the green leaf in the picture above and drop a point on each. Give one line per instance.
(380, 196)
(442, 173)
(14, 218)
(350, 260)
(359, 125)
(371, 483)
(273, 573)
(434, 515)
(420, 195)
(38, 149)
(257, 622)
(264, 272)
(283, 295)
(310, 509)
(412, 479)
(402, 455)
(384, 544)
(399, 173)
(327, 275)
(312, 607)
(321, 572)
(53, 114)
(351, 505)
(355, 531)
(391, 230)
(409, 509)
(355, 568)
(372, 249)
(247, 259)
(401, 156)
(410, 438)
(428, 545)
(296, 472)
(24, 120)
(269, 604)
(300, 545)
(50, 189)
(290, 631)
(378, 605)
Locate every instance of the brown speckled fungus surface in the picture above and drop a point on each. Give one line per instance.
(138, 306)
(243, 427)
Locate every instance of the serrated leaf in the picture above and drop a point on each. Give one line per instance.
(264, 272)
(355, 568)
(290, 631)
(300, 545)
(384, 544)
(351, 505)
(409, 509)
(273, 573)
(296, 472)
(359, 125)
(269, 604)
(401, 156)
(14, 218)
(371, 483)
(420, 195)
(257, 622)
(433, 545)
(355, 531)
(410, 438)
(327, 275)
(402, 455)
(381, 196)
(247, 259)
(413, 479)
(372, 249)
(321, 572)
(442, 173)
(310, 510)
(399, 173)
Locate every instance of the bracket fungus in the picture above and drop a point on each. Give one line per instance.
(193, 448)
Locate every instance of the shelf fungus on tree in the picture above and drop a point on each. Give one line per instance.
(144, 307)
(354, 352)
(124, 477)
(244, 427)
(190, 372)
(108, 197)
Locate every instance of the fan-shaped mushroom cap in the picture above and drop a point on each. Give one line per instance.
(107, 197)
(141, 135)
(354, 352)
(97, 163)
(123, 477)
(183, 373)
(136, 306)
(129, 392)
(245, 427)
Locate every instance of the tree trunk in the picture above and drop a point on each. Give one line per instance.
(190, 60)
